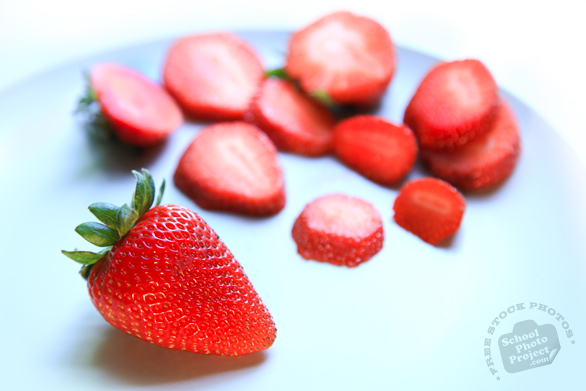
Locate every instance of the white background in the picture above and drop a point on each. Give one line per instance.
(535, 49)
(56, 340)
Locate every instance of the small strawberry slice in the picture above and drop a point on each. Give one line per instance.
(454, 103)
(483, 162)
(139, 112)
(338, 229)
(349, 57)
(213, 76)
(293, 121)
(429, 208)
(233, 167)
(379, 150)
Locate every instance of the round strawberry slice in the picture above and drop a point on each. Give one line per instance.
(213, 76)
(349, 57)
(379, 150)
(140, 112)
(294, 121)
(165, 277)
(483, 162)
(233, 167)
(338, 229)
(429, 208)
(454, 103)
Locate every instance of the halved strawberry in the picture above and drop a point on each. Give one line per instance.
(233, 167)
(429, 208)
(379, 150)
(140, 112)
(338, 229)
(294, 121)
(454, 103)
(484, 161)
(349, 57)
(213, 76)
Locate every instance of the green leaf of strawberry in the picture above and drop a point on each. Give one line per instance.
(279, 72)
(116, 222)
(126, 219)
(322, 97)
(161, 191)
(98, 234)
(85, 257)
(144, 193)
(106, 213)
(89, 98)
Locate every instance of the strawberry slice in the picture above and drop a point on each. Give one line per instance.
(338, 229)
(429, 208)
(294, 121)
(483, 162)
(350, 57)
(454, 103)
(213, 76)
(232, 167)
(379, 150)
(140, 112)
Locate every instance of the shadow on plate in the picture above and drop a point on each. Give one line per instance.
(140, 363)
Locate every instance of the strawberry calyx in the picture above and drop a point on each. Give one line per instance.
(89, 107)
(321, 96)
(278, 72)
(115, 222)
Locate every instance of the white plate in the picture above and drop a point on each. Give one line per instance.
(413, 317)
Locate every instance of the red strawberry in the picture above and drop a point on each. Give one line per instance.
(294, 121)
(338, 229)
(213, 76)
(233, 167)
(379, 150)
(167, 278)
(139, 112)
(484, 161)
(454, 103)
(429, 208)
(350, 57)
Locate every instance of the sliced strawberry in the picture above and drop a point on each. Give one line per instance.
(429, 208)
(140, 112)
(379, 150)
(213, 76)
(454, 103)
(233, 167)
(338, 229)
(349, 57)
(484, 161)
(294, 121)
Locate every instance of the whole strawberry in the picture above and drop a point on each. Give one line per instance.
(166, 277)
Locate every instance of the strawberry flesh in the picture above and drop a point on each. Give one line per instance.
(429, 208)
(141, 113)
(483, 162)
(379, 150)
(213, 76)
(338, 229)
(456, 102)
(172, 282)
(294, 121)
(349, 57)
(232, 167)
